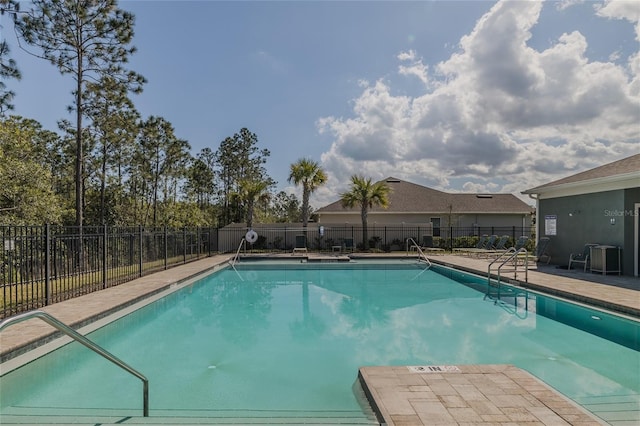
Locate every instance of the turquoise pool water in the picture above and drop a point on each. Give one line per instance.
(284, 340)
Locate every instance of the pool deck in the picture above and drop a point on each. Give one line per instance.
(467, 395)
(497, 394)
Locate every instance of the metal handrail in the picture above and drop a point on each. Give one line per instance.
(233, 261)
(86, 342)
(414, 244)
(235, 258)
(508, 255)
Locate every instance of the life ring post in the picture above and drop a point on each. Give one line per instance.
(251, 236)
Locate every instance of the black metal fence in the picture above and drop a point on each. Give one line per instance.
(41, 265)
(380, 237)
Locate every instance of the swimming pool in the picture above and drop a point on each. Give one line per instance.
(286, 340)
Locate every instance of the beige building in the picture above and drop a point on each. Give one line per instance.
(411, 204)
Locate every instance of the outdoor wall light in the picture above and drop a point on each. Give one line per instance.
(613, 220)
(573, 213)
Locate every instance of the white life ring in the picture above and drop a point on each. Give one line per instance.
(251, 236)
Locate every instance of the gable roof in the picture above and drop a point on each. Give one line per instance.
(407, 197)
(621, 170)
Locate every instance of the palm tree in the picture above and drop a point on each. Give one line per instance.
(308, 173)
(252, 191)
(366, 195)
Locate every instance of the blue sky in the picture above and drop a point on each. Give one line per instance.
(472, 96)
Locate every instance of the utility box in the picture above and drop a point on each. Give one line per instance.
(605, 259)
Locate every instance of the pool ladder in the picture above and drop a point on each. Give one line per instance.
(235, 259)
(243, 243)
(505, 258)
(60, 326)
(411, 243)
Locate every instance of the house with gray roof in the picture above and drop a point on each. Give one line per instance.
(411, 204)
(598, 206)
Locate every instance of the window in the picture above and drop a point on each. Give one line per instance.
(435, 222)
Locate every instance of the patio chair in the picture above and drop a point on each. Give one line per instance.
(581, 257)
(488, 246)
(521, 242)
(541, 250)
(498, 248)
(301, 245)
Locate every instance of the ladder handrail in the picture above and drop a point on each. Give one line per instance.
(510, 255)
(235, 258)
(60, 326)
(424, 256)
(510, 250)
(233, 261)
(515, 255)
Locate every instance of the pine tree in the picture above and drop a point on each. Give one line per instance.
(87, 39)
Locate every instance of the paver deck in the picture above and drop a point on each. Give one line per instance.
(473, 395)
(467, 395)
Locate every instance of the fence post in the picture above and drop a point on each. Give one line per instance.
(47, 265)
(184, 244)
(451, 238)
(104, 258)
(385, 235)
(140, 246)
(354, 238)
(166, 251)
(198, 229)
(211, 233)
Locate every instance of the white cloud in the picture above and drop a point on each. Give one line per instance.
(621, 9)
(478, 188)
(501, 114)
(629, 11)
(565, 4)
(416, 68)
(407, 56)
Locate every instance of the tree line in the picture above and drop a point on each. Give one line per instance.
(110, 166)
(146, 176)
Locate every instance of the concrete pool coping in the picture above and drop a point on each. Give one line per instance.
(21, 338)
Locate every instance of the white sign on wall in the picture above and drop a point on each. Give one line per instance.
(550, 223)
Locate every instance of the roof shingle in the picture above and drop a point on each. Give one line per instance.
(407, 197)
(620, 167)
